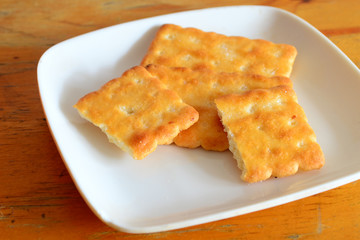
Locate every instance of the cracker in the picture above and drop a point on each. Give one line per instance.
(199, 88)
(269, 133)
(175, 46)
(137, 112)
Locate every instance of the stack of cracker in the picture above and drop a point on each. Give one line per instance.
(213, 91)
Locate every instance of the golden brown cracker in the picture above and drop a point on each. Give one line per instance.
(199, 88)
(175, 46)
(269, 133)
(137, 112)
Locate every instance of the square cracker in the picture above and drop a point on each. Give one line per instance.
(199, 88)
(175, 46)
(269, 134)
(137, 112)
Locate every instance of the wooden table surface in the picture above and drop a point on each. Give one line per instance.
(38, 199)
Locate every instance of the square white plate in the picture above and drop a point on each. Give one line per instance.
(176, 187)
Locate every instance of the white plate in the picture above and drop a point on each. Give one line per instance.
(176, 187)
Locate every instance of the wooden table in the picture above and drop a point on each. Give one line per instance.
(38, 199)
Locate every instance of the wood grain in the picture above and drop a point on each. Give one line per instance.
(38, 199)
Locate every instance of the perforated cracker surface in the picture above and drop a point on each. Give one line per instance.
(199, 88)
(175, 46)
(137, 112)
(269, 133)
